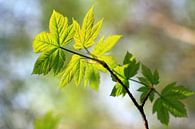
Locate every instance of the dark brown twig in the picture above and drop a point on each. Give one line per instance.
(104, 64)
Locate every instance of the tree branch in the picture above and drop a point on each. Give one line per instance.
(140, 108)
(105, 65)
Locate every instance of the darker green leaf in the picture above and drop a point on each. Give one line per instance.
(153, 78)
(132, 68)
(129, 58)
(169, 102)
(145, 90)
(144, 81)
(147, 73)
(176, 92)
(162, 113)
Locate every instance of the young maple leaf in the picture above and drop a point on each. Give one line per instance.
(48, 44)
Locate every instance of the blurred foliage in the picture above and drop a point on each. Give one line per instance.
(48, 121)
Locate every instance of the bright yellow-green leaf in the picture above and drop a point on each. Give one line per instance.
(53, 59)
(68, 35)
(59, 29)
(43, 64)
(109, 60)
(52, 56)
(84, 37)
(100, 49)
(79, 74)
(96, 65)
(72, 69)
(58, 61)
(92, 77)
(88, 21)
(92, 35)
(43, 42)
(78, 37)
(104, 46)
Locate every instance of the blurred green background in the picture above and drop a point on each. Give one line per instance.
(160, 33)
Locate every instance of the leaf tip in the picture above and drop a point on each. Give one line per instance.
(92, 8)
(118, 36)
(54, 12)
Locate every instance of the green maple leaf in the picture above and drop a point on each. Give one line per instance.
(129, 69)
(104, 46)
(48, 44)
(149, 76)
(92, 76)
(133, 66)
(145, 91)
(169, 102)
(53, 59)
(75, 69)
(84, 37)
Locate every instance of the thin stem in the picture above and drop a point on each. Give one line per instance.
(73, 52)
(137, 82)
(87, 51)
(129, 78)
(146, 97)
(105, 65)
(140, 108)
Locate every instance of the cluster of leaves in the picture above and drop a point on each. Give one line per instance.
(53, 57)
(84, 68)
(168, 101)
